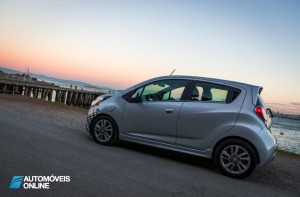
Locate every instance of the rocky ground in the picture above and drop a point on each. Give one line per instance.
(282, 173)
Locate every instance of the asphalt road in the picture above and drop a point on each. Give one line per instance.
(35, 147)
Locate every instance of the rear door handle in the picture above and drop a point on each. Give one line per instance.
(168, 111)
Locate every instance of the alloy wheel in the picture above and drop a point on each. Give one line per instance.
(103, 130)
(235, 159)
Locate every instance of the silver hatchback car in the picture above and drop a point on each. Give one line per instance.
(218, 119)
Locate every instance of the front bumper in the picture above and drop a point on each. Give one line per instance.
(93, 112)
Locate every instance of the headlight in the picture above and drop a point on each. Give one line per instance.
(97, 101)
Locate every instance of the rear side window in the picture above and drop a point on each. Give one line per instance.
(260, 102)
(210, 92)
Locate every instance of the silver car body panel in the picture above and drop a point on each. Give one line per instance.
(201, 122)
(153, 114)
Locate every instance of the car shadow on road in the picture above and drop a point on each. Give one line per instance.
(171, 155)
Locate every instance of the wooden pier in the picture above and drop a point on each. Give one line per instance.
(48, 91)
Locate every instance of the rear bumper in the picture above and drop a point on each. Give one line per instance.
(266, 146)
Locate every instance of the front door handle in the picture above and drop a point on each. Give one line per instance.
(168, 111)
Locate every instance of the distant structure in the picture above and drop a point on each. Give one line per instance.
(23, 84)
(27, 75)
(289, 116)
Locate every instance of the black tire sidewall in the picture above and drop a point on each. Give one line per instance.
(246, 146)
(114, 137)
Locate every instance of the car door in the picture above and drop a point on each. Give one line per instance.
(209, 111)
(154, 114)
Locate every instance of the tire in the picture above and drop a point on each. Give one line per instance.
(104, 130)
(235, 158)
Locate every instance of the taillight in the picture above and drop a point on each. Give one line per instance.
(261, 112)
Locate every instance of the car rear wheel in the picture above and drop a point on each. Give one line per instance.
(105, 130)
(236, 158)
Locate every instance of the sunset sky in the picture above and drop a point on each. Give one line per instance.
(120, 43)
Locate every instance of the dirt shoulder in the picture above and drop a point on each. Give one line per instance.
(282, 173)
(72, 117)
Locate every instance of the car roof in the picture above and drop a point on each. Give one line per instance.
(221, 81)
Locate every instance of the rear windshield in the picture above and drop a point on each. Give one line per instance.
(260, 102)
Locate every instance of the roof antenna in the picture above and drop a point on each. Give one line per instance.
(172, 72)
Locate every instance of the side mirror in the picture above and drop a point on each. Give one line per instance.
(135, 97)
(269, 112)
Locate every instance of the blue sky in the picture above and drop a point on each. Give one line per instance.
(120, 43)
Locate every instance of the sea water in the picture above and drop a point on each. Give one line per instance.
(287, 132)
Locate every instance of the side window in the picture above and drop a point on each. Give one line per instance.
(210, 92)
(219, 95)
(176, 94)
(197, 93)
(165, 90)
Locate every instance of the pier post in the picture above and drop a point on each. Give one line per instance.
(80, 99)
(26, 91)
(4, 88)
(64, 97)
(35, 92)
(57, 96)
(23, 91)
(44, 91)
(69, 100)
(74, 98)
(17, 89)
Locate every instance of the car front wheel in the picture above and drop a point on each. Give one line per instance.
(105, 131)
(235, 158)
